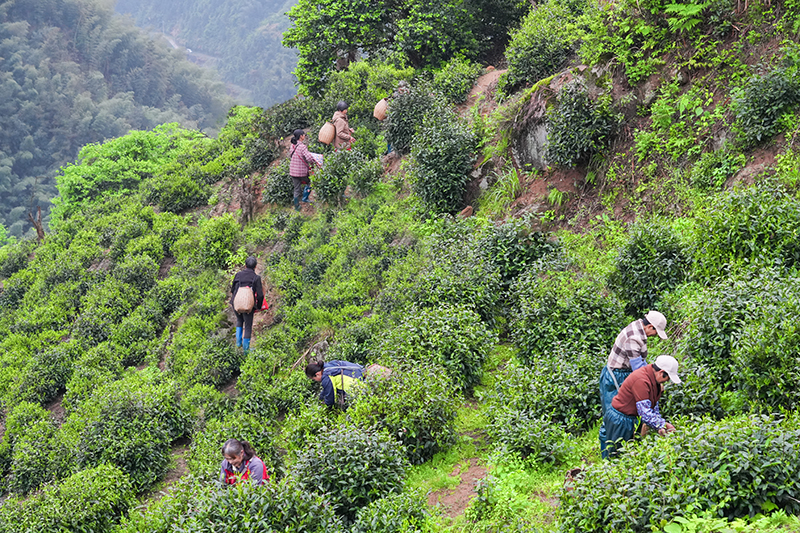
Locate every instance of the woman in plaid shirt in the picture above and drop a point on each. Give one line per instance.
(300, 162)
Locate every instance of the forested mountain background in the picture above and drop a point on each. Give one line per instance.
(72, 72)
(240, 38)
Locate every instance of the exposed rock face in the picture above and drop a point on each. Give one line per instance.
(529, 148)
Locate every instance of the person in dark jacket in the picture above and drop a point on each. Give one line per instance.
(247, 279)
(336, 378)
(638, 397)
(241, 463)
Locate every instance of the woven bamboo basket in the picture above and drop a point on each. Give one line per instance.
(327, 133)
(380, 110)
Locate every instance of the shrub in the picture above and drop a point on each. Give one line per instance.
(405, 113)
(455, 79)
(714, 169)
(559, 387)
(14, 257)
(513, 247)
(274, 507)
(414, 404)
(128, 423)
(735, 467)
(205, 455)
(204, 402)
(395, 513)
(33, 460)
(104, 305)
(373, 463)
(542, 45)
(46, 374)
(305, 425)
(330, 183)
(366, 176)
(443, 151)
(200, 355)
(761, 102)
(176, 191)
(278, 186)
(752, 226)
(27, 424)
(652, 262)
(555, 308)
(450, 335)
(578, 126)
(265, 392)
(209, 245)
(533, 438)
(92, 500)
(137, 271)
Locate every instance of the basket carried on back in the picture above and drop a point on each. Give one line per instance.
(380, 109)
(327, 133)
(244, 300)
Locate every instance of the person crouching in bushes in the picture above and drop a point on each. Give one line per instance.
(344, 133)
(638, 398)
(300, 163)
(240, 463)
(337, 379)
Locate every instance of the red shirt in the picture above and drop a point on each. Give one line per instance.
(640, 385)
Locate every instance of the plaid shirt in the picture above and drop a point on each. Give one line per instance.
(300, 161)
(631, 343)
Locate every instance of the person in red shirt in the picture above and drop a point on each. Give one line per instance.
(638, 398)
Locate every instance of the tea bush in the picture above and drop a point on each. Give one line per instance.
(34, 457)
(330, 183)
(209, 245)
(45, 375)
(92, 500)
(205, 455)
(203, 402)
(563, 309)
(767, 371)
(395, 513)
(714, 169)
(415, 405)
(14, 257)
(514, 247)
(443, 152)
(405, 114)
(762, 100)
(278, 187)
(542, 44)
(560, 387)
(106, 304)
(372, 463)
(750, 226)
(735, 467)
(201, 355)
(653, 261)
(578, 126)
(304, 426)
(452, 336)
(455, 79)
(537, 439)
(452, 265)
(263, 392)
(366, 176)
(128, 423)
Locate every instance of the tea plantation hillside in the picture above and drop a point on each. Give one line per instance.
(633, 156)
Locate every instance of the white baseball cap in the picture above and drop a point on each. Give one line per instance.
(658, 321)
(668, 364)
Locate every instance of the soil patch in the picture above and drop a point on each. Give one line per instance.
(178, 454)
(455, 501)
(57, 410)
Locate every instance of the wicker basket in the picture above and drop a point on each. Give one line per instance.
(380, 110)
(327, 133)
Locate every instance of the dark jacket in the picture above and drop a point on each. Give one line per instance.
(330, 383)
(640, 385)
(248, 278)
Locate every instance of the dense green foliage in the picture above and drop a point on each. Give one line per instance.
(73, 74)
(737, 467)
(352, 467)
